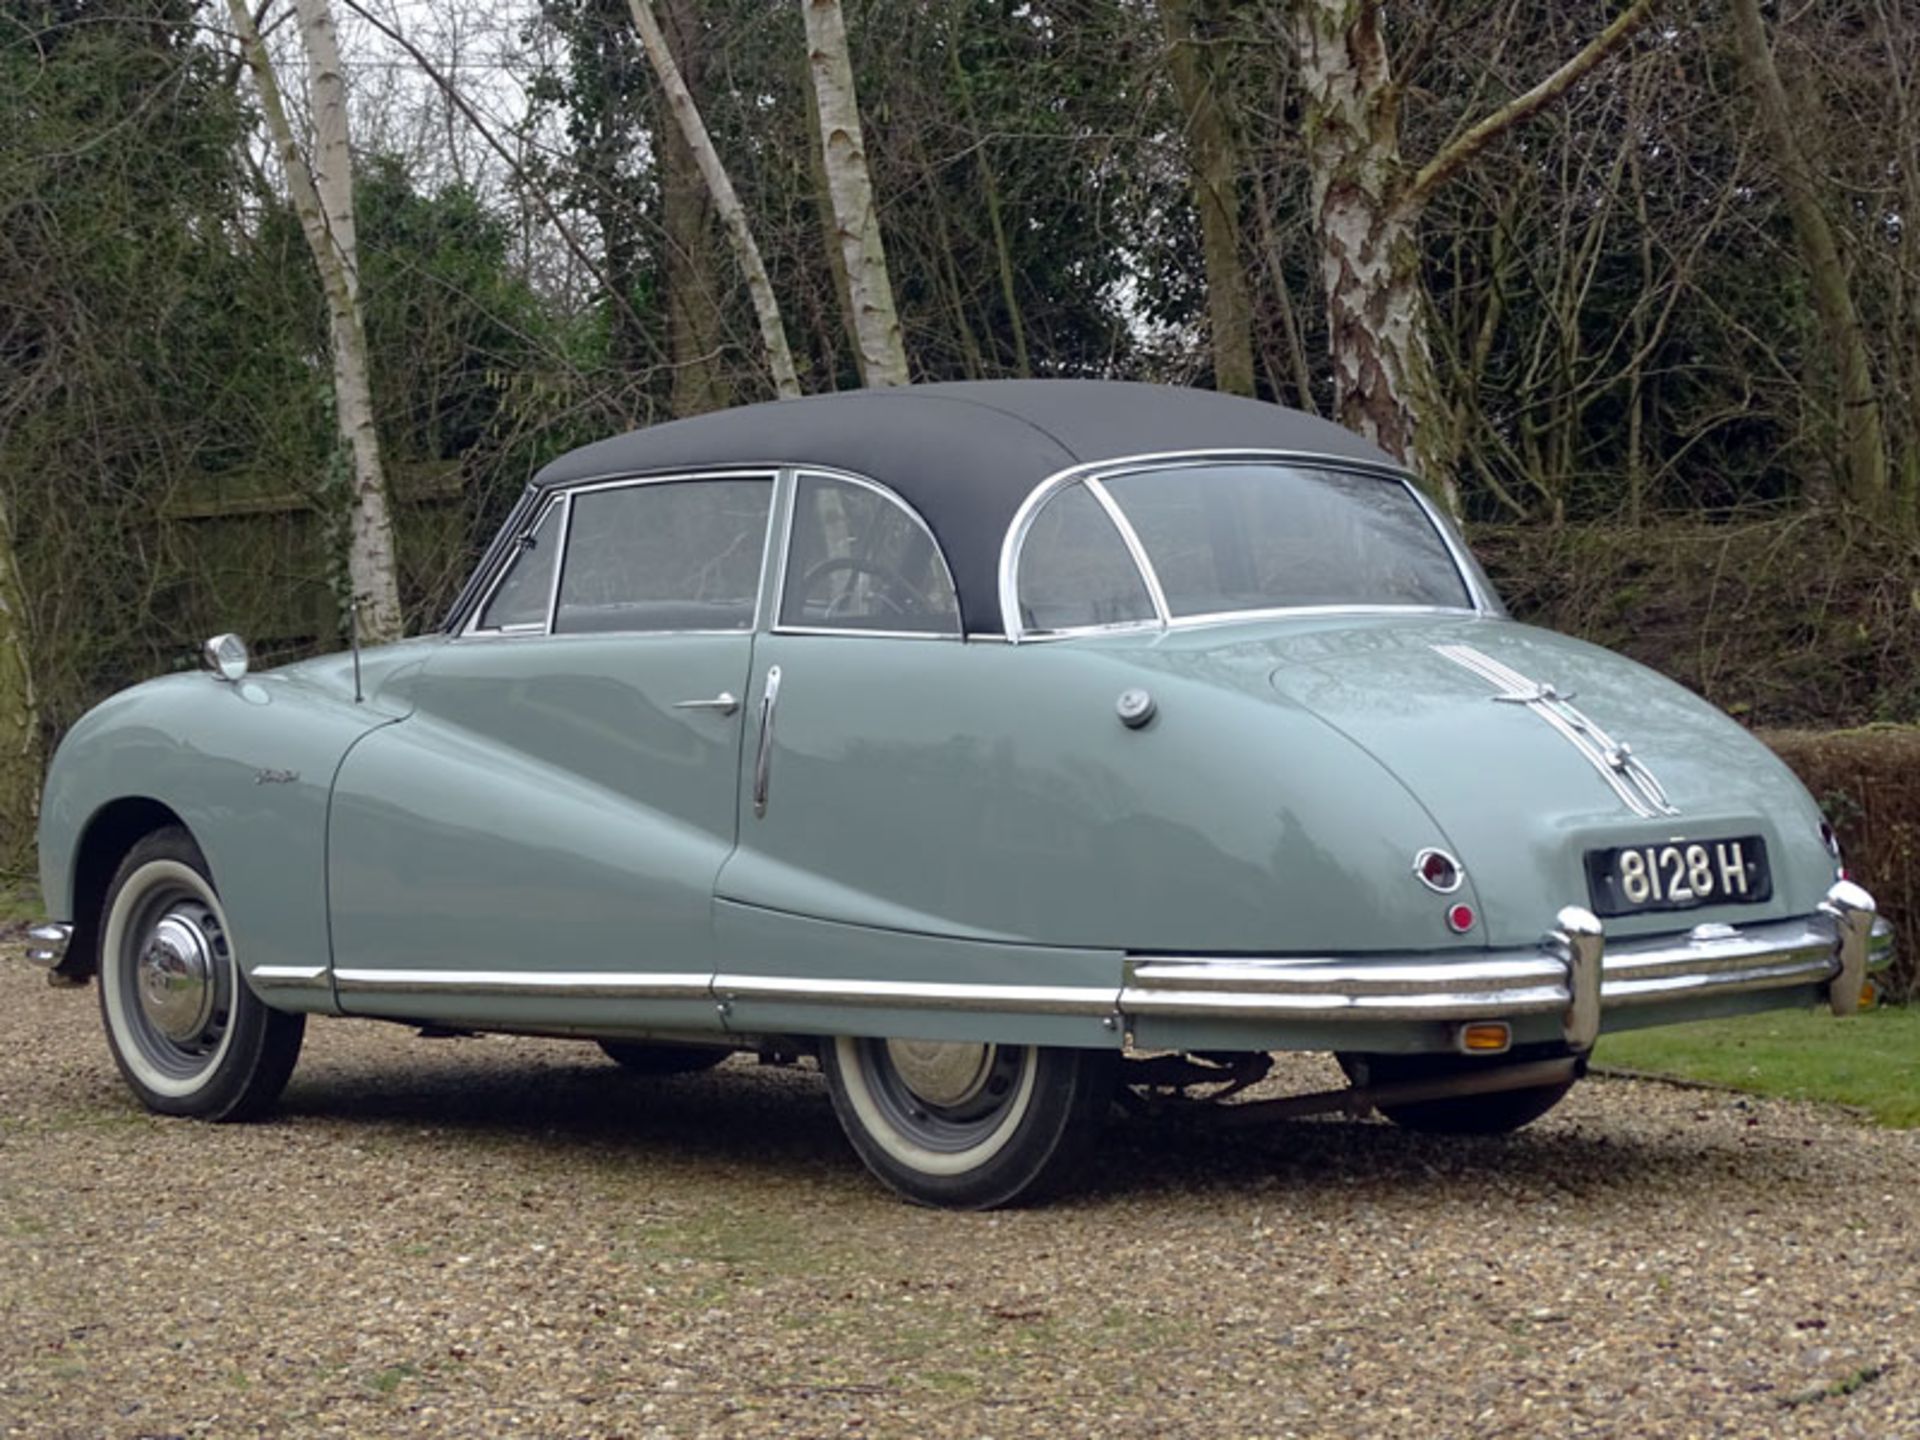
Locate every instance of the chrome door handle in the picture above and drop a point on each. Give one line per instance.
(726, 702)
(763, 756)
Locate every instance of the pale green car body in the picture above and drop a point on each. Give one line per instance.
(1364, 827)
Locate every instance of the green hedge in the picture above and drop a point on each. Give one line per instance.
(1868, 782)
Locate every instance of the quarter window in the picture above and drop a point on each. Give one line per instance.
(675, 555)
(1076, 571)
(859, 560)
(520, 600)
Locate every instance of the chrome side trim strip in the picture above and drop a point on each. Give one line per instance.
(290, 976)
(921, 995)
(49, 946)
(610, 984)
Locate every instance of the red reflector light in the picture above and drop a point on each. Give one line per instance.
(1460, 919)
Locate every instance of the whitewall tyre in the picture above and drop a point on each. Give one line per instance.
(188, 1034)
(969, 1126)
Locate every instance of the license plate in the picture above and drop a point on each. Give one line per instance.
(1678, 875)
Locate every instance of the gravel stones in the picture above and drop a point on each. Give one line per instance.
(498, 1237)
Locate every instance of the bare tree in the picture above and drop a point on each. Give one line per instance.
(323, 197)
(1863, 440)
(19, 711)
(1215, 161)
(1367, 204)
(876, 322)
(693, 130)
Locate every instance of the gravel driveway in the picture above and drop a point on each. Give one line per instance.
(492, 1237)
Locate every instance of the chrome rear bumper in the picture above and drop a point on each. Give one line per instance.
(1573, 972)
(49, 945)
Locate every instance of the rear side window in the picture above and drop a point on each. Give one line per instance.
(1075, 570)
(860, 560)
(674, 555)
(519, 602)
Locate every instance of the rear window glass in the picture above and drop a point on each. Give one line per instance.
(1235, 537)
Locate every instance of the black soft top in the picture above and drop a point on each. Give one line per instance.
(963, 454)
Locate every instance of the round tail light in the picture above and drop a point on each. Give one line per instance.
(1438, 871)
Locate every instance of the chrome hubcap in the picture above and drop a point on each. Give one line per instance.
(942, 1072)
(175, 982)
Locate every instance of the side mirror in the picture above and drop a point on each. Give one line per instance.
(226, 656)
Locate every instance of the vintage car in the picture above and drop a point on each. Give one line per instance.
(1003, 745)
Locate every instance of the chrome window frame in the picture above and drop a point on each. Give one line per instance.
(792, 476)
(773, 475)
(473, 627)
(1093, 473)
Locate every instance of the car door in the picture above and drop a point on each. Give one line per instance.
(859, 784)
(537, 843)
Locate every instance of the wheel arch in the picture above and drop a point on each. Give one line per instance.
(110, 832)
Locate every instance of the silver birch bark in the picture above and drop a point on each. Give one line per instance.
(323, 198)
(733, 215)
(876, 323)
(1369, 260)
(1367, 205)
(19, 711)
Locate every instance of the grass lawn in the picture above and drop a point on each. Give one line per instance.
(1871, 1060)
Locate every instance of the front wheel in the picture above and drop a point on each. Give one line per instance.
(188, 1035)
(969, 1126)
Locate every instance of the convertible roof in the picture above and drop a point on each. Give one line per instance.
(965, 454)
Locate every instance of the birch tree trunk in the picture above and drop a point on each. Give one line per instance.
(876, 323)
(1369, 258)
(19, 711)
(1367, 204)
(1863, 441)
(1215, 163)
(323, 198)
(733, 215)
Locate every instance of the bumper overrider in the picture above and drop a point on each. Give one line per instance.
(47, 945)
(1573, 973)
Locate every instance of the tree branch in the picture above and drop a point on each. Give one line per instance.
(532, 189)
(1444, 166)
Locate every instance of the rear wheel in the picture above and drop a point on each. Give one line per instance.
(969, 1126)
(188, 1035)
(1497, 1113)
(663, 1059)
